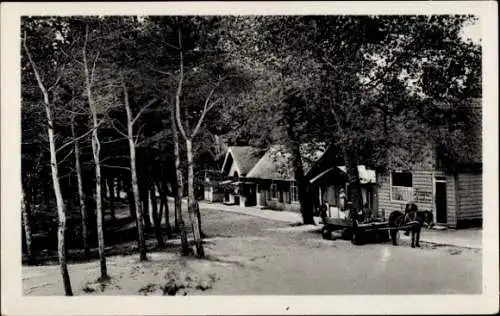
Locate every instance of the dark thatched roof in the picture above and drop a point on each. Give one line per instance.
(245, 158)
(276, 164)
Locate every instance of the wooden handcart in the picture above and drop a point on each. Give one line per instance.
(360, 232)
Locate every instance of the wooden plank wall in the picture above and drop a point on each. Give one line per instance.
(283, 190)
(470, 195)
(451, 200)
(422, 181)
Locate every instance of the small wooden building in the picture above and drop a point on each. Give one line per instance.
(328, 184)
(273, 182)
(236, 188)
(448, 181)
(454, 197)
(272, 178)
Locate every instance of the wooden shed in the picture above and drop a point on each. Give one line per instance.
(449, 185)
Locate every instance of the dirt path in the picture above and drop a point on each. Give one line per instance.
(250, 255)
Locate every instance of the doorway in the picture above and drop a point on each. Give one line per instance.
(440, 201)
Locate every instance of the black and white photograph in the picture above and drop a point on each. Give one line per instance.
(179, 153)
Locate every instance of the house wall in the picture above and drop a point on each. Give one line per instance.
(283, 200)
(463, 195)
(451, 200)
(423, 186)
(233, 169)
(211, 195)
(470, 195)
(463, 191)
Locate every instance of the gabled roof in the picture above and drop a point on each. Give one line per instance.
(276, 164)
(245, 157)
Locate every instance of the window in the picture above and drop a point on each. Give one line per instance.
(401, 186)
(274, 191)
(294, 192)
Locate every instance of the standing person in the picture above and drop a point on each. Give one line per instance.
(350, 211)
(411, 210)
(342, 199)
(322, 210)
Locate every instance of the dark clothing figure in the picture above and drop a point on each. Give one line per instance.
(322, 211)
(411, 210)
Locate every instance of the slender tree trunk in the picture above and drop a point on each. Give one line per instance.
(135, 185)
(306, 207)
(305, 200)
(164, 205)
(61, 208)
(96, 148)
(176, 219)
(185, 250)
(351, 164)
(156, 218)
(193, 208)
(27, 228)
(81, 195)
(164, 197)
(118, 188)
(111, 200)
(99, 213)
(144, 196)
(104, 194)
(192, 204)
(353, 179)
(131, 201)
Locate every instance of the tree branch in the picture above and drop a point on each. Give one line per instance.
(179, 90)
(35, 70)
(114, 140)
(144, 108)
(78, 138)
(117, 129)
(115, 167)
(160, 71)
(65, 157)
(205, 110)
(71, 57)
(59, 77)
(93, 68)
(138, 133)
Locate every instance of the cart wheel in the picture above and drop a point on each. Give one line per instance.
(326, 233)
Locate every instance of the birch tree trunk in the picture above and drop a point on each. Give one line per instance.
(156, 217)
(193, 210)
(164, 198)
(96, 147)
(111, 191)
(192, 203)
(81, 195)
(144, 198)
(61, 207)
(185, 250)
(133, 172)
(27, 227)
